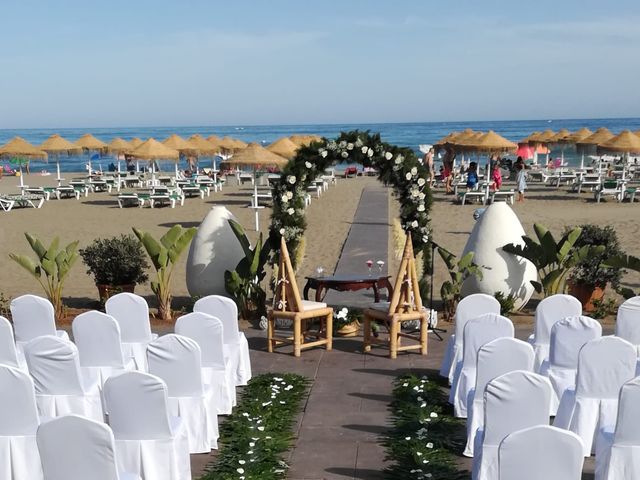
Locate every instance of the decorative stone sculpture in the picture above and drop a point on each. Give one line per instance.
(214, 249)
(504, 272)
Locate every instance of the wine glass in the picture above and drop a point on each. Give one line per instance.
(380, 264)
(369, 265)
(319, 270)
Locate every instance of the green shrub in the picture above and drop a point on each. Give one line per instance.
(116, 261)
(506, 302)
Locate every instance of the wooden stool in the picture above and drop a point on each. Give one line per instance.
(405, 306)
(288, 305)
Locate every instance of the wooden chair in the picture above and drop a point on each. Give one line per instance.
(405, 305)
(288, 305)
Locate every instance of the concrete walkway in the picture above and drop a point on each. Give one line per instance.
(368, 239)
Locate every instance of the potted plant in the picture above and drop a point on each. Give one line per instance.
(346, 323)
(117, 264)
(589, 277)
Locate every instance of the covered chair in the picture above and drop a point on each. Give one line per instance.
(8, 352)
(236, 347)
(405, 306)
(550, 310)
(541, 452)
(177, 360)
(18, 424)
(469, 307)
(604, 365)
(568, 336)
(628, 322)
(477, 332)
(207, 331)
(33, 317)
(289, 306)
(512, 401)
(76, 448)
(618, 450)
(499, 356)
(132, 314)
(60, 386)
(148, 441)
(97, 336)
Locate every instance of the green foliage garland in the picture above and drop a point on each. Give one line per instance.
(424, 436)
(396, 166)
(258, 432)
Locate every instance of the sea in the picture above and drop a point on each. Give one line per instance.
(403, 134)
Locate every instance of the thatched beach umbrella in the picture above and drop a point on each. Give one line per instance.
(491, 142)
(56, 145)
(178, 143)
(304, 140)
(447, 139)
(578, 135)
(154, 150)
(256, 155)
(625, 142)
(17, 148)
(588, 145)
(135, 142)
(118, 146)
(90, 143)
(284, 147)
(201, 146)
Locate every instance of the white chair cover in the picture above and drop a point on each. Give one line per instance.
(469, 307)
(19, 458)
(550, 310)
(176, 360)
(628, 322)
(477, 332)
(148, 442)
(235, 342)
(207, 331)
(512, 401)
(495, 358)
(33, 317)
(97, 336)
(76, 448)
(541, 452)
(59, 383)
(132, 314)
(618, 452)
(604, 365)
(568, 336)
(8, 352)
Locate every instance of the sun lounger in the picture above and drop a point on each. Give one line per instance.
(611, 188)
(130, 199)
(586, 181)
(629, 193)
(99, 185)
(68, 192)
(506, 195)
(194, 191)
(6, 204)
(26, 200)
(44, 192)
(477, 194)
(166, 198)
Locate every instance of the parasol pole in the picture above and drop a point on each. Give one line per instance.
(59, 178)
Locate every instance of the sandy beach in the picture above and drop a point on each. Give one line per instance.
(329, 219)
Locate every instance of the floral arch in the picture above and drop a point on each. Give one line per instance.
(398, 167)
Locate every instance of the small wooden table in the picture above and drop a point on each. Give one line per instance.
(344, 283)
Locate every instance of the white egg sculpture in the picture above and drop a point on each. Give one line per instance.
(213, 250)
(503, 272)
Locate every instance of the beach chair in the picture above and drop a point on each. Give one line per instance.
(611, 188)
(479, 194)
(629, 193)
(26, 200)
(405, 306)
(505, 195)
(6, 204)
(171, 198)
(67, 191)
(289, 306)
(130, 199)
(44, 192)
(330, 176)
(586, 181)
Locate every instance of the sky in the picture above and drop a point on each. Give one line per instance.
(182, 63)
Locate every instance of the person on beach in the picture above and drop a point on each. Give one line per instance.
(428, 162)
(521, 178)
(472, 176)
(447, 174)
(496, 174)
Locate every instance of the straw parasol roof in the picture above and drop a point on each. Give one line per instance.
(626, 142)
(56, 144)
(89, 142)
(490, 142)
(466, 140)
(213, 139)
(202, 146)
(543, 137)
(530, 138)
(228, 143)
(119, 145)
(284, 147)
(135, 142)
(153, 149)
(176, 142)
(578, 135)
(18, 146)
(255, 155)
(560, 137)
(449, 138)
(601, 135)
(637, 132)
(304, 140)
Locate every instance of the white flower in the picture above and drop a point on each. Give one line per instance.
(414, 171)
(344, 154)
(342, 144)
(323, 154)
(307, 164)
(408, 176)
(405, 384)
(388, 155)
(414, 192)
(284, 198)
(240, 470)
(290, 195)
(419, 454)
(425, 238)
(370, 152)
(407, 438)
(282, 230)
(364, 150)
(414, 224)
(399, 159)
(421, 196)
(252, 444)
(433, 415)
(291, 179)
(421, 181)
(429, 445)
(349, 146)
(291, 211)
(261, 429)
(242, 462)
(421, 207)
